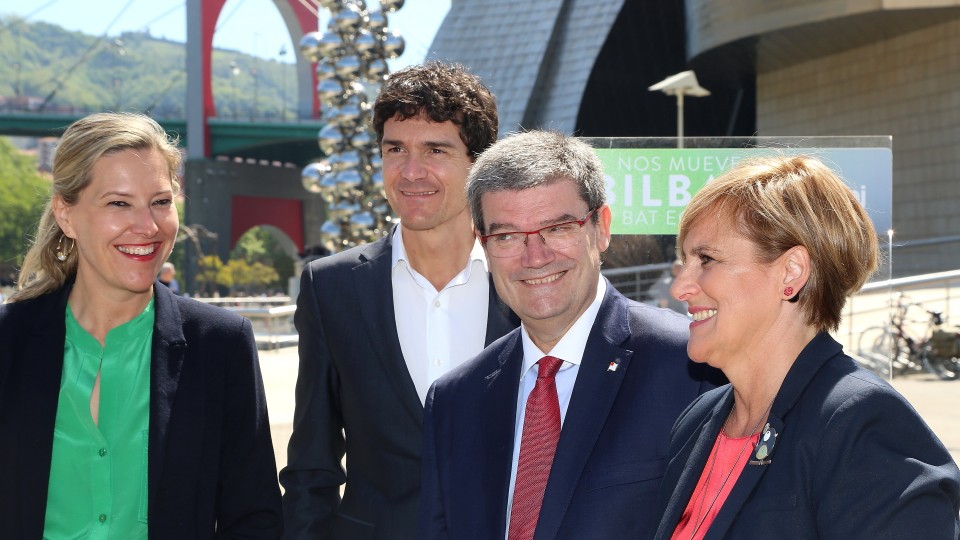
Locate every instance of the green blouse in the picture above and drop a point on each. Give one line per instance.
(98, 473)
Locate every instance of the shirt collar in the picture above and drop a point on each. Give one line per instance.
(571, 346)
(399, 253)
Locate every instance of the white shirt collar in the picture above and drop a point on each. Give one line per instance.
(571, 346)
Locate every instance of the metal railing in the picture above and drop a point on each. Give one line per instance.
(635, 282)
(271, 317)
(872, 306)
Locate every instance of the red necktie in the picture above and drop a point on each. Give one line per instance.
(538, 443)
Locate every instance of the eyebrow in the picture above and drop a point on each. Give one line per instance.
(510, 227)
(704, 250)
(428, 144)
(125, 194)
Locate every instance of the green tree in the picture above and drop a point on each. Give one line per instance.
(208, 274)
(23, 192)
(242, 277)
(258, 245)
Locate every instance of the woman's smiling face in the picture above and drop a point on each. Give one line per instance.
(733, 299)
(124, 223)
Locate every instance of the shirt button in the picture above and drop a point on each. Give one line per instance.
(438, 362)
(103, 452)
(103, 518)
(436, 303)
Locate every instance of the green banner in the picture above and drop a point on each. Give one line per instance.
(647, 189)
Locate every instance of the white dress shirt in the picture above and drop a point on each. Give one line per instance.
(569, 349)
(438, 330)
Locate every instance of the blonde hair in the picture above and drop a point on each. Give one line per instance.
(81, 145)
(781, 202)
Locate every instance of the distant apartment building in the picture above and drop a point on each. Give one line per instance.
(45, 148)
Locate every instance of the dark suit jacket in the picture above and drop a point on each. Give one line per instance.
(852, 460)
(353, 379)
(612, 448)
(211, 470)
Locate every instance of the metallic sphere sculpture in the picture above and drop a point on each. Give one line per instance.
(350, 58)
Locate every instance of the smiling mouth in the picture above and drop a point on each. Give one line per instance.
(137, 250)
(703, 315)
(417, 193)
(549, 279)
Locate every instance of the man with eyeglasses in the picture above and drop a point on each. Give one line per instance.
(560, 428)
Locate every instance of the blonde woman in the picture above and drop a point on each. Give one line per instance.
(125, 411)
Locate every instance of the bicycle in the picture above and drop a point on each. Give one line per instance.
(935, 351)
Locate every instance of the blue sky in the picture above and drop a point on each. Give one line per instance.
(251, 26)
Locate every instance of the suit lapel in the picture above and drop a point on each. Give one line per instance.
(43, 366)
(499, 428)
(593, 395)
(168, 351)
(811, 359)
(741, 491)
(374, 285)
(692, 458)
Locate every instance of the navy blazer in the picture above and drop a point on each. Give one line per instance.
(852, 459)
(211, 467)
(353, 379)
(612, 448)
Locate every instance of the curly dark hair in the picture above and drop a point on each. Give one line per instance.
(441, 92)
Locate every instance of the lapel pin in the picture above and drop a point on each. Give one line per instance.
(613, 366)
(768, 439)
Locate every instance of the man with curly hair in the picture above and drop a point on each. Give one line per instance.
(379, 323)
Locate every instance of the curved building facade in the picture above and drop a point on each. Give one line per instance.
(583, 66)
(774, 68)
(855, 68)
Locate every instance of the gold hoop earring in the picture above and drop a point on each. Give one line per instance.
(61, 254)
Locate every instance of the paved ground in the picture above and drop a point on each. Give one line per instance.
(937, 401)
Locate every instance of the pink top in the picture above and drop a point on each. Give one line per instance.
(726, 462)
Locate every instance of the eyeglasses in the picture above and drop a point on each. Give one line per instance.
(556, 236)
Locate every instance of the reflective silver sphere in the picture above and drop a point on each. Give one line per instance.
(376, 22)
(389, 6)
(312, 174)
(348, 21)
(309, 46)
(325, 71)
(348, 67)
(330, 139)
(375, 70)
(347, 160)
(361, 222)
(329, 90)
(393, 44)
(360, 141)
(366, 44)
(332, 5)
(329, 45)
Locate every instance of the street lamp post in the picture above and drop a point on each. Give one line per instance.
(256, 97)
(234, 71)
(283, 85)
(681, 84)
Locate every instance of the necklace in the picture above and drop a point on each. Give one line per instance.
(702, 515)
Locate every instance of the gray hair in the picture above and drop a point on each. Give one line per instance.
(531, 159)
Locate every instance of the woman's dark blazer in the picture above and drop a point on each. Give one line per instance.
(211, 468)
(853, 460)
